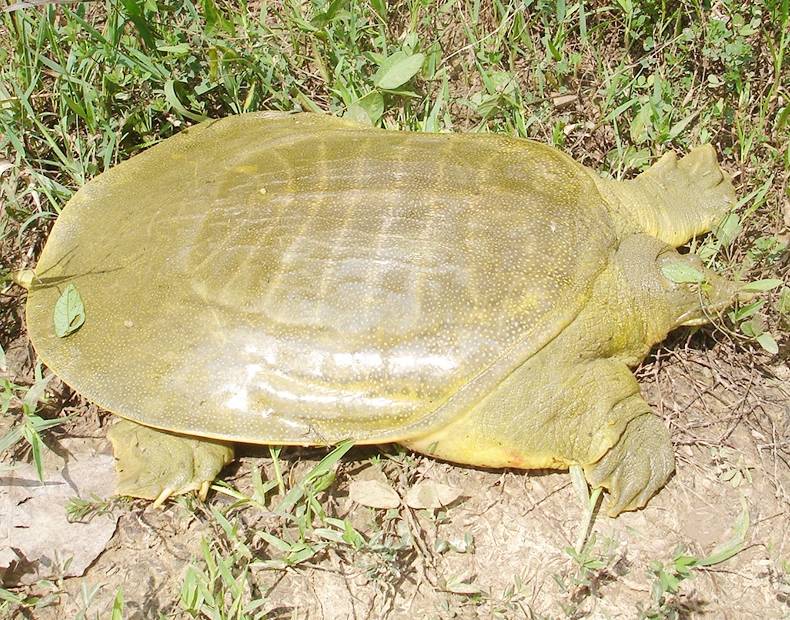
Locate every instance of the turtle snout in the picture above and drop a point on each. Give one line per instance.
(713, 296)
(743, 296)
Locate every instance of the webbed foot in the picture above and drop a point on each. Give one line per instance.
(685, 197)
(637, 466)
(154, 464)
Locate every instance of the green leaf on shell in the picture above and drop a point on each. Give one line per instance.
(397, 69)
(682, 273)
(69, 312)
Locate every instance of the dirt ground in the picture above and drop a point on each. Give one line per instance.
(500, 549)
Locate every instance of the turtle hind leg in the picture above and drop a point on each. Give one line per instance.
(676, 199)
(154, 464)
(636, 467)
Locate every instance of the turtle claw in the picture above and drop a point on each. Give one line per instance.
(162, 497)
(203, 490)
(157, 465)
(636, 467)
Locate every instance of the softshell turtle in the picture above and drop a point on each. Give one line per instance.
(302, 279)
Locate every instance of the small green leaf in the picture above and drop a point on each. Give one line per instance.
(300, 552)
(69, 312)
(683, 564)
(317, 474)
(134, 10)
(7, 595)
(753, 327)
(669, 583)
(561, 10)
(11, 437)
(351, 536)
(175, 103)
(180, 49)
(746, 311)
(380, 6)
(767, 342)
(641, 125)
(728, 229)
(682, 273)
(784, 301)
(328, 14)
(397, 69)
(760, 286)
(367, 109)
(275, 542)
(35, 394)
(117, 606)
(781, 118)
(34, 439)
(678, 127)
(734, 544)
(214, 18)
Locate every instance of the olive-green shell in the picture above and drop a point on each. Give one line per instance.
(302, 279)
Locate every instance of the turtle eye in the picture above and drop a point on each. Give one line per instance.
(665, 250)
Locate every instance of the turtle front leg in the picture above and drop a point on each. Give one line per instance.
(637, 466)
(545, 415)
(675, 199)
(154, 464)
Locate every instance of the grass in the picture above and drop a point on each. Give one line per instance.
(29, 426)
(616, 84)
(665, 604)
(297, 531)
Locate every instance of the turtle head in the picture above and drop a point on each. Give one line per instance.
(671, 289)
(698, 298)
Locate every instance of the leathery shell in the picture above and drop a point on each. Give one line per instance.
(300, 279)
